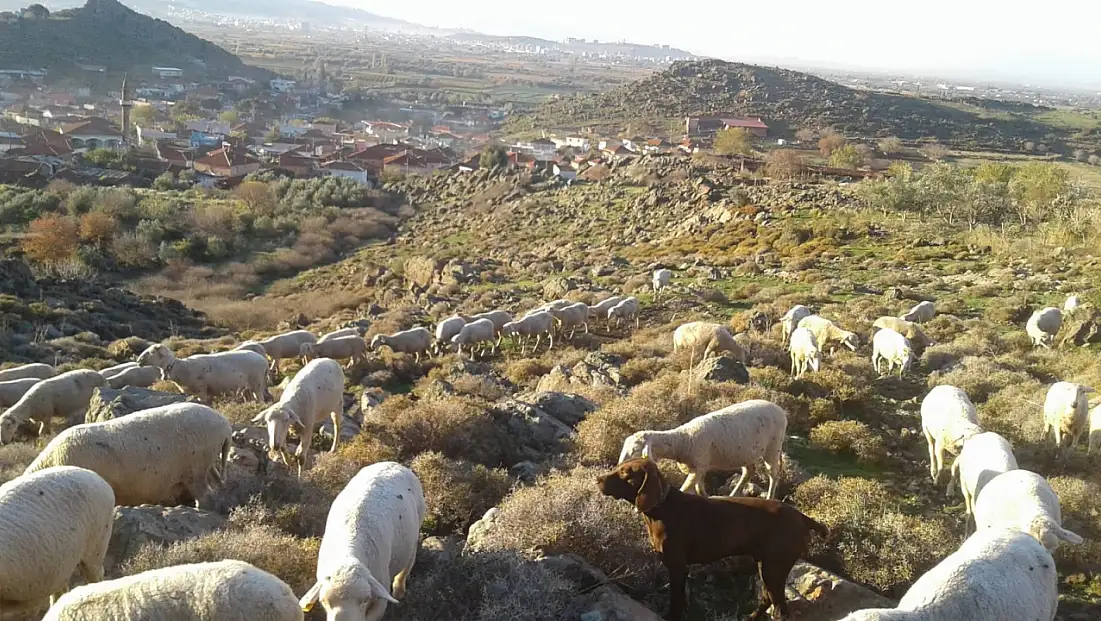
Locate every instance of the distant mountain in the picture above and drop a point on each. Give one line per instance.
(107, 34)
(784, 98)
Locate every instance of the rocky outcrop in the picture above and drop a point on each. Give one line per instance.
(721, 369)
(108, 403)
(819, 595)
(150, 524)
(1082, 328)
(568, 408)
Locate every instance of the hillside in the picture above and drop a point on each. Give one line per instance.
(784, 98)
(106, 33)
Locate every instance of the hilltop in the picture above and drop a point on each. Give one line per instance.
(106, 33)
(784, 97)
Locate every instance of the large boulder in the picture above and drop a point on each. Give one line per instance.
(815, 594)
(109, 403)
(137, 526)
(1082, 327)
(568, 408)
(538, 433)
(722, 369)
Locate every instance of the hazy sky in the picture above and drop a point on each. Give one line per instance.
(1054, 41)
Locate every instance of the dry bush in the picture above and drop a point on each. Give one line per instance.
(852, 437)
(872, 540)
(481, 386)
(332, 471)
(291, 559)
(525, 370)
(51, 239)
(16, 456)
(1016, 412)
(460, 427)
(566, 513)
(979, 377)
(645, 368)
(458, 493)
(266, 312)
(239, 412)
(97, 228)
(1013, 311)
(295, 506)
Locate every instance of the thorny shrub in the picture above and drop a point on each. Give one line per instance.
(457, 492)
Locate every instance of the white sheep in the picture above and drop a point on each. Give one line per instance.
(790, 321)
(36, 370)
(996, 574)
(499, 319)
(210, 375)
(1024, 501)
(315, 393)
(627, 309)
(1043, 325)
(600, 310)
(12, 391)
(549, 306)
(533, 324)
(983, 457)
(571, 317)
(253, 346)
(62, 396)
(446, 330)
(51, 523)
(350, 348)
(827, 333)
(339, 334)
(706, 339)
(1071, 305)
(156, 456)
(110, 372)
(734, 437)
(286, 345)
(475, 334)
(804, 352)
(922, 312)
(662, 278)
(1066, 413)
(912, 331)
(225, 590)
(895, 349)
(414, 341)
(141, 377)
(370, 544)
(948, 418)
(1095, 430)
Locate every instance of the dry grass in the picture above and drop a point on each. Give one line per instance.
(849, 436)
(457, 492)
(15, 457)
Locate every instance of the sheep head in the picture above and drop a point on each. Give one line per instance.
(8, 425)
(156, 356)
(850, 340)
(378, 341)
(638, 444)
(278, 419)
(348, 593)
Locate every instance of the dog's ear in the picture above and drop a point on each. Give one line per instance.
(652, 489)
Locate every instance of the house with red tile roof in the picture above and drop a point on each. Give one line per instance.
(92, 133)
(227, 162)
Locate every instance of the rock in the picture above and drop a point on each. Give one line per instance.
(443, 550)
(538, 433)
(611, 604)
(815, 594)
(137, 526)
(569, 408)
(478, 529)
(722, 369)
(556, 287)
(108, 403)
(349, 428)
(1082, 328)
(370, 400)
(525, 471)
(437, 390)
(420, 272)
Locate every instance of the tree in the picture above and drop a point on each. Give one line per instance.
(257, 196)
(783, 163)
(734, 141)
(102, 158)
(846, 156)
(935, 152)
(51, 239)
(229, 116)
(805, 135)
(830, 142)
(98, 229)
(143, 116)
(493, 156)
(1035, 187)
(891, 145)
(902, 171)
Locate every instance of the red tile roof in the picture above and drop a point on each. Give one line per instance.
(93, 126)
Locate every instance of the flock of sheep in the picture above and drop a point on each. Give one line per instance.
(175, 454)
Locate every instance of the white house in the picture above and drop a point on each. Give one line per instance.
(346, 169)
(151, 136)
(92, 133)
(168, 72)
(281, 85)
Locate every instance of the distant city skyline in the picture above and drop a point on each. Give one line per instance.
(1048, 44)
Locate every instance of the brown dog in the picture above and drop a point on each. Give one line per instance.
(687, 529)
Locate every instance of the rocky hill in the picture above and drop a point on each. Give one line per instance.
(106, 33)
(784, 98)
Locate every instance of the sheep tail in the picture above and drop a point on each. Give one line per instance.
(816, 526)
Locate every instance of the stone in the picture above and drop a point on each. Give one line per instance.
(109, 403)
(611, 604)
(556, 287)
(525, 471)
(815, 594)
(1082, 328)
(568, 408)
(722, 369)
(349, 428)
(537, 432)
(479, 529)
(145, 524)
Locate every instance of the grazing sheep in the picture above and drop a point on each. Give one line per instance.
(315, 392)
(63, 396)
(339, 334)
(36, 370)
(734, 437)
(499, 319)
(253, 346)
(533, 324)
(600, 310)
(415, 341)
(141, 377)
(706, 339)
(286, 345)
(475, 334)
(223, 591)
(1043, 325)
(11, 392)
(983, 457)
(211, 375)
(804, 352)
(790, 321)
(1095, 430)
(1024, 501)
(1066, 413)
(446, 330)
(51, 523)
(893, 348)
(996, 574)
(909, 329)
(370, 543)
(662, 278)
(156, 456)
(1071, 305)
(827, 333)
(350, 348)
(948, 419)
(110, 372)
(922, 312)
(570, 317)
(627, 309)
(555, 305)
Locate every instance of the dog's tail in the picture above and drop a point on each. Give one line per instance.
(816, 526)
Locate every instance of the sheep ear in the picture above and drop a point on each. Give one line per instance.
(310, 598)
(647, 450)
(380, 591)
(652, 489)
(1088, 389)
(259, 418)
(294, 418)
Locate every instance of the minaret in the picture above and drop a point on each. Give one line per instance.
(126, 105)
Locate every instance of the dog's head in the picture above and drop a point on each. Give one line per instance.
(637, 481)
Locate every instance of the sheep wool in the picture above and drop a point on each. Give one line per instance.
(210, 375)
(948, 418)
(286, 345)
(337, 334)
(600, 310)
(1066, 413)
(110, 372)
(36, 370)
(141, 377)
(827, 333)
(912, 331)
(1023, 500)
(571, 317)
(922, 312)
(894, 349)
(12, 391)
(350, 348)
(983, 457)
(533, 324)
(1043, 325)
(446, 330)
(314, 394)
(703, 340)
(223, 591)
(474, 334)
(791, 320)
(62, 396)
(804, 352)
(627, 309)
(415, 341)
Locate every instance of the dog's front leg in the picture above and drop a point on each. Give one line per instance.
(678, 596)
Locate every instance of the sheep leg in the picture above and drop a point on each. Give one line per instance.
(953, 476)
(550, 337)
(932, 455)
(773, 470)
(689, 483)
(747, 471)
(91, 572)
(335, 417)
(397, 589)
